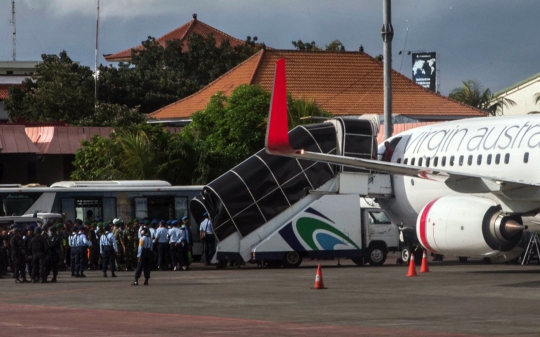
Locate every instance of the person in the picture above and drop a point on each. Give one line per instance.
(75, 252)
(129, 237)
(207, 236)
(94, 250)
(55, 251)
(174, 236)
(187, 223)
(107, 248)
(388, 152)
(163, 245)
(119, 238)
(27, 239)
(144, 258)
(185, 239)
(18, 255)
(83, 243)
(39, 248)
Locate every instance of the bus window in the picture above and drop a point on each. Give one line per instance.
(180, 207)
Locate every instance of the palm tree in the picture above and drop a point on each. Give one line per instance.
(472, 93)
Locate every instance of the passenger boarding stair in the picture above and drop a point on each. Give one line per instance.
(258, 196)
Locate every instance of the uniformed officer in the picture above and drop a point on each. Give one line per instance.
(144, 257)
(18, 255)
(107, 248)
(207, 236)
(119, 238)
(163, 245)
(129, 239)
(83, 243)
(75, 252)
(185, 242)
(39, 248)
(55, 251)
(174, 237)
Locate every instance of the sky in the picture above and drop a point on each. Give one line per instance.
(495, 42)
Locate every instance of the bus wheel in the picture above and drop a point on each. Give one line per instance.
(292, 260)
(376, 255)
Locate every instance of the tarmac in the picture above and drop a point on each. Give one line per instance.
(453, 299)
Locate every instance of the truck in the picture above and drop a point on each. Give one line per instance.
(333, 226)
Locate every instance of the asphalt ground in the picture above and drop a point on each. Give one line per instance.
(453, 299)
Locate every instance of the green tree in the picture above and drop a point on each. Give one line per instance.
(473, 93)
(60, 90)
(335, 45)
(305, 46)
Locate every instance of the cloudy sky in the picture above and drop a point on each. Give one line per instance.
(496, 42)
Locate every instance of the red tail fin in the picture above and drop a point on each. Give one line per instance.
(277, 133)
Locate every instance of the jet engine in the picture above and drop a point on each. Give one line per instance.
(467, 225)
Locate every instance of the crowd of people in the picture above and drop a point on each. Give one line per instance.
(95, 245)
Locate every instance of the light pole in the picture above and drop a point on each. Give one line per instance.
(387, 33)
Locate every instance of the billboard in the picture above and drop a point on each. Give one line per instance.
(424, 69)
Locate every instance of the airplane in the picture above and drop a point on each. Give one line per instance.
(464, 185)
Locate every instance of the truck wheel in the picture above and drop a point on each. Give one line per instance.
(376, 255)
(359, 261)
(406, 255)
(292, 260)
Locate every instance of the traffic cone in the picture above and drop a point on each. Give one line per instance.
(424, 268)
(412, 267)
(319, 283)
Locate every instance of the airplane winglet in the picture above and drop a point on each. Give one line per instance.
(277, 132)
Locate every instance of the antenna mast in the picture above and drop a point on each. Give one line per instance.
(96, 73)
(14, 30)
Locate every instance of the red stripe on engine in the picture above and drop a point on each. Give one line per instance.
(423, 231)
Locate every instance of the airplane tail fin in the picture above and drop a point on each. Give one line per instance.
(277, 132)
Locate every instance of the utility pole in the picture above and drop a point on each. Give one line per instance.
(14, 30)
(96, 73)
(387, 33)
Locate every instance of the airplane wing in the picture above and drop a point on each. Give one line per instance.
(277, 143)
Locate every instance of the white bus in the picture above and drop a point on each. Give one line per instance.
(122, 199)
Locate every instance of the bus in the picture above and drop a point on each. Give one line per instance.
(115, 199)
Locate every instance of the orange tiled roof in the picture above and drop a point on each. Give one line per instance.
(344, 83)
(4, 90)
(182, 33)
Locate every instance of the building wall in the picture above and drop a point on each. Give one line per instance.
(523, 95)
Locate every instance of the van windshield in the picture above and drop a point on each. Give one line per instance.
(378, 217)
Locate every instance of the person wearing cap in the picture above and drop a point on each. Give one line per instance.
(83, 244)
(119, 238)
(207, 236)
(39, 248)
(129, 241)
(18, 255)
(174, 238)
(144, 257)
(163, 245)
(27, 238)
(75, 252)
(55, 251)
(107, 248)
(186, 242)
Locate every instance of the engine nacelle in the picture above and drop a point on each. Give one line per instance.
(467, 225)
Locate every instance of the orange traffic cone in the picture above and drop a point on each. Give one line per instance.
(424, 268)
(319, 283)
(412, 267)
